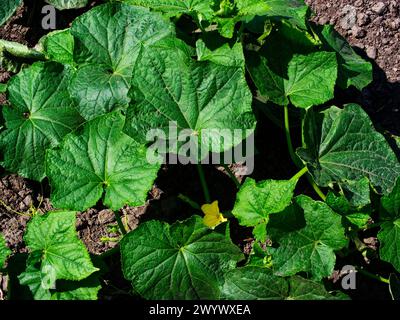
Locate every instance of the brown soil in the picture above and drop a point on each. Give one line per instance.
(373, 28)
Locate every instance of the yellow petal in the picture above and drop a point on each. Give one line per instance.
(212, 216)
(212, 221)
(210, 209)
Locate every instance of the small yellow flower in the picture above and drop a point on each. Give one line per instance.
(212, 216)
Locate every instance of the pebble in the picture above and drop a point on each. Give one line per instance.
(349, 18)
(358, 32)
(371, 52)
(379, 8)
(363, 19)
(395, 24)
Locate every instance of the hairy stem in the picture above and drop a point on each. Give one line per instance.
(189, 201)
(119, 222)
(373, 276)
(299, 174)
(232, 176)
(203, 183)
(293, 156)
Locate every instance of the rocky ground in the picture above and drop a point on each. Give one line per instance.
(371, 25)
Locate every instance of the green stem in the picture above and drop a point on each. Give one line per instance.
(373, 276)
(189, 201)
(203, 183)
(232, 176)
(289, 138)
(119, 222)
(299, 174)
(317, 190)
(293, 156)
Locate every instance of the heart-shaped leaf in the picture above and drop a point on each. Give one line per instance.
(310, 248)
(40, 115)
(108, 40)
(101, 159)
(185, 260)
(342, 145)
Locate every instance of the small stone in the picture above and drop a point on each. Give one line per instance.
(323, 20)
(385, 41)
(371, 52)
(349, 18)
(379, 8)
(363, 19)
(359, 3)
(358, 32)
(395, 24)
(105, 216)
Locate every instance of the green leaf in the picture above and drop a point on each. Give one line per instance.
(311, 248)
(309, 81)
(305, 289)
(253, 283)
(357, 192)
(56, 253)
(40, 115)
(256, 201)
(54, 237)
(3, 87)
(200, 97)
(185, 260)
(37, 281)
(353, 69)
(177, 7)
(7, 9)
(390, 204)
(224, 55)
(389, 238)
(394, 286)
(342, 145)
(353, 217)
(68, 4)
(100, 160)
(59, 46)
(108, 41)
(4, 251)
(86, 289)
(294, 10)
(389, 235)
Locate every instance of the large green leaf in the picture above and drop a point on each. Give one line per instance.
(56, 253)
(256, 201)
(176, 7)
(185, 260)
(310, 248)
(100, 160)
(4, 251)
(40, 115)
(253, 283)
(7, 9)
(68, 4)
(202, 98)
(307, 80)
(108, 41)
(353, 69)
(342, 145)
(389, 235)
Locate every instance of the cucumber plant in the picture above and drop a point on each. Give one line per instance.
(79, 117)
